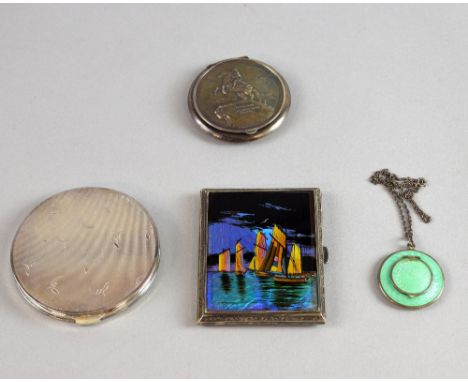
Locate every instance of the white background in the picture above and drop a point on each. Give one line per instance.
(96, 96)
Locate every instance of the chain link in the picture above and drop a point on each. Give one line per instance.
(402, 191)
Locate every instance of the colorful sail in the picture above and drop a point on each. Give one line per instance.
(279, 236)
(253, 266)
(295, 260)
(274, 258)
(225, 261)
(259, 251)
(278, 262)
(239, 258)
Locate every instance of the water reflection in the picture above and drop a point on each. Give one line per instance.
(229, 291)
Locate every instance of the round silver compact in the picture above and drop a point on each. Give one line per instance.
(239, 99)
(85, 254)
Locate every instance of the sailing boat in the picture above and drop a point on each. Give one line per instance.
(259, 252)
(224, 261)
(273, 261)
(293, 274)
(240, 270)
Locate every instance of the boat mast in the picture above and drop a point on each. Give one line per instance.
(295, 260)
(239, 257)
(224, 261)
(278, 243)
(259, 251)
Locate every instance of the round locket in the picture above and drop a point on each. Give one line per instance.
(411, 279)
(239, 99)
(85, 254)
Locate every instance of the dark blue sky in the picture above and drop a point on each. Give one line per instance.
(240, 215)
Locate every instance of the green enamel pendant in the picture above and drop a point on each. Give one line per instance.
(411, 279)
(408, 278)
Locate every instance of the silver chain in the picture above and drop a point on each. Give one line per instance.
(402, 191)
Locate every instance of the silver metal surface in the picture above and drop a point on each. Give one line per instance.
(402, 191)
(85, 254)
(239, 99)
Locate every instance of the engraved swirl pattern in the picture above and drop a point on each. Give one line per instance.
(85, 250)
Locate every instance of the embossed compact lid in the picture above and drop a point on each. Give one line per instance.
(85, 254)
(239, 99)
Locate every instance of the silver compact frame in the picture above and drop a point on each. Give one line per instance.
(241, 133)
(262, 317)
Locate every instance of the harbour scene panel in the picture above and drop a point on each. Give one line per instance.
(261, 252)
